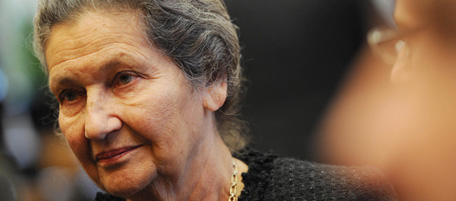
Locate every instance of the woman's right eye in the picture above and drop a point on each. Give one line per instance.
(68, 96)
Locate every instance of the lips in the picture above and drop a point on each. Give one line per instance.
(114, 153)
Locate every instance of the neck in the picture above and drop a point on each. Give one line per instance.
(215, 178)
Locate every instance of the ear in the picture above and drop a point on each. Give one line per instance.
(215, 95)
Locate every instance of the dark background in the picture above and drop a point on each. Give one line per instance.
(295, 55)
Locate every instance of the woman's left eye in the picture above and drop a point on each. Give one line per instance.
(124, 78)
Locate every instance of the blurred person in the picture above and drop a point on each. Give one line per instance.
(397, 110)
(148, 95)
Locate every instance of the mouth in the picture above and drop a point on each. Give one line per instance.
(115, 153)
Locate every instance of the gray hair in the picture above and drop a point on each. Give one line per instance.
(197, 35)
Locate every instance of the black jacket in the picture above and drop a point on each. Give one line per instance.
(273, 178)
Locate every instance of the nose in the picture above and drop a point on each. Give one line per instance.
(101, 118)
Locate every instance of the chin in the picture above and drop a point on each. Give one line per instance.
(126, 186)
(125, 189)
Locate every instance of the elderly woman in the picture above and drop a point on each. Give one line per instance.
(148, 95)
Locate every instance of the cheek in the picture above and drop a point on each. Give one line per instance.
(151, 108)
(163, 117)
(156, 119)
(73, 131)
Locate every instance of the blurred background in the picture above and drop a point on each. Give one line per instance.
(296, 54)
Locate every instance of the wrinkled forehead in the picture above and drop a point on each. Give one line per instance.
(98, 26)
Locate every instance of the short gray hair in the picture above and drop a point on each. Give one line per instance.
(197, 35)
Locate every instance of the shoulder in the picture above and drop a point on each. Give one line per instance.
(293, 179)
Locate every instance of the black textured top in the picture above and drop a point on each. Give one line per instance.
(272, 178)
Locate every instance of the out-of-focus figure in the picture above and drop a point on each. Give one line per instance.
(397, 111)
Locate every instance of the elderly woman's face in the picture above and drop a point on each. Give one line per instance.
(126, 110)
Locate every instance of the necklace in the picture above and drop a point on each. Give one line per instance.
(233, 187)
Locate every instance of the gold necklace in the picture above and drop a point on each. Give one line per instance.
(233, 187)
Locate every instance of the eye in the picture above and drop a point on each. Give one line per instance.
(68, 96)
(124, 78)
